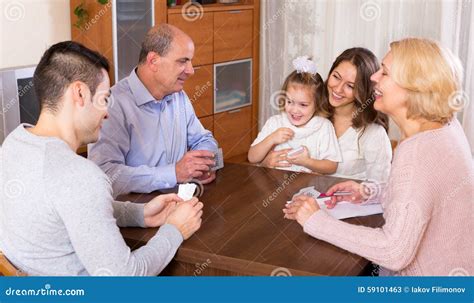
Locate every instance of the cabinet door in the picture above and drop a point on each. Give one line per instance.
(134, 18)
(208, 123)
(232, 35)
(200, 29)
(200, 90)
(232, 131)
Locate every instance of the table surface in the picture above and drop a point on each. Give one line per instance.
(243, 229)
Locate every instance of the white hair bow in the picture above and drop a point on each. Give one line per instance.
(304, 65)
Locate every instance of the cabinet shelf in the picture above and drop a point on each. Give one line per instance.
(217, 7)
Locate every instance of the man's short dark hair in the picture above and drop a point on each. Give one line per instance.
(158, 39)
(63, 64)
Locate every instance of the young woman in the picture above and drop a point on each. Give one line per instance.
(427, 206)
(361, 130)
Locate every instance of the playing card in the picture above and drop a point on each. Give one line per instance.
(219, 158)
(186, 191)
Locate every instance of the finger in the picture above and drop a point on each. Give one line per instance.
(203, 168)
(282, 164)
(199, 205)
(282, 151)
(203, 161)
(172, 198)
(302, 198)
(201, 153)
(197, 174)
(343, 186)
(193, 201)
(199, 214)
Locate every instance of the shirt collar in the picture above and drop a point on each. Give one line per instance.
(140, 92)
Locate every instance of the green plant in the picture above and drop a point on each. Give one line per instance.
(83, 15)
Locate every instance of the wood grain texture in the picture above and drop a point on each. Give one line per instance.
(200, 29)
(232, 130)
(200, 90)
(243, 231)
(96, 34)
(233, 35)
(208, 123)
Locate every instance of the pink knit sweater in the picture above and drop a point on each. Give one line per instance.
(428, 210)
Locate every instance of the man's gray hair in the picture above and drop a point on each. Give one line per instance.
(158, 39)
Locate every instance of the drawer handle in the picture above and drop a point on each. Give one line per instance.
(235, 12)
(197, 68)
(235, 111)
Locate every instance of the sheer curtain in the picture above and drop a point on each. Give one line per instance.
(323, 29)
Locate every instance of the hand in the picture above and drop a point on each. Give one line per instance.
(354, 188)
(277, 159)
(301, 158)
(157, 210)
(282, 135)
(194, 164)
(301, 209)
(207, 178)
(186, 217)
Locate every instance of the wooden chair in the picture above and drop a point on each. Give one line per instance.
(8, 269)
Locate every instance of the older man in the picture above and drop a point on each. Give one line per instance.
(153, 139)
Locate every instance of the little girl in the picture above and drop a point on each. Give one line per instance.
(309, 139)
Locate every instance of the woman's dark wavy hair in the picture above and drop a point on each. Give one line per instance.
(366, 64)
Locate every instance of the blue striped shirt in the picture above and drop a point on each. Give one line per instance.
(143, 138)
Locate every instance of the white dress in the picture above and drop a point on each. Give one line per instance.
(317, 135)
(368, 158)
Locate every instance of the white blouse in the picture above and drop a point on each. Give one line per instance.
(317, 135)
(366, 158)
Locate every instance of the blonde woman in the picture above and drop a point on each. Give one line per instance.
(428, 199)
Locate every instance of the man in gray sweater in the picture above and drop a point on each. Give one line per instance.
(57, 214)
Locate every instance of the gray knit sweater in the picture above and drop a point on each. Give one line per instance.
(58, 217)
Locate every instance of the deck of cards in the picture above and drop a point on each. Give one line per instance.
(219, 158)
(307, 191)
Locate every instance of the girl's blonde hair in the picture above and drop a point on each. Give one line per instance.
(315, 83)
(431, 74)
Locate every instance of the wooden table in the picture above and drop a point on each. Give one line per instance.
(243, 231)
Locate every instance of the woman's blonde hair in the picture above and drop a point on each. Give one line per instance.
(431, 74)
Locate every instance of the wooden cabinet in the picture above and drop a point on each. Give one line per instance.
(232, 35)
(208, 123)
(200, 90)
(200, 29)
(233, 131)
(221, 33)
